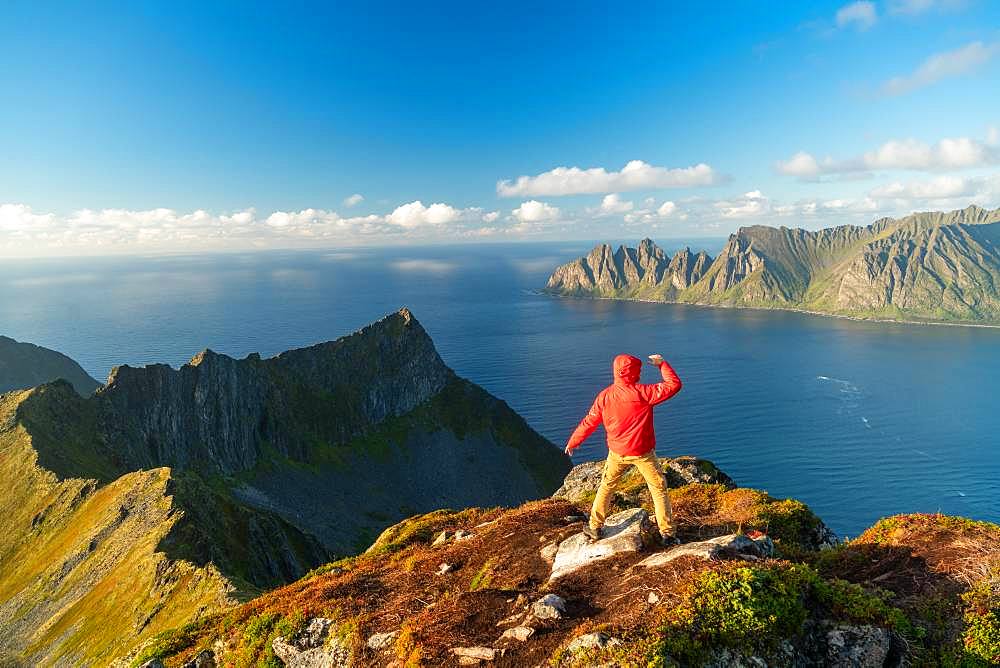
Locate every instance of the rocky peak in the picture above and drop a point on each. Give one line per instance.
(218, 413)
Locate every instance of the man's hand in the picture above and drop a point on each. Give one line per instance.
(656, 360)
(568, 451)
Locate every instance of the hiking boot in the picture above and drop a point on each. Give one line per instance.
(669, 541)
(591, 533)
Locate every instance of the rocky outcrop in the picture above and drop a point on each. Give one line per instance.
(313, 647)
(729, 546)
(25, 365)
(581, 483)
(927, 267)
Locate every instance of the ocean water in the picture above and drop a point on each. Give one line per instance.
(859, 420)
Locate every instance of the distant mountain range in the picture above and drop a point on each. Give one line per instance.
(172, 493)
(926, 267)
(24, 365)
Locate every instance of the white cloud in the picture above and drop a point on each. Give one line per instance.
(907, 154)
(354, 200)
(20, 218)
(942, 187)
(416, 214)
(750, 205)
(491, 216)
(636, 175)
(801, 164)
(942, 66)
(534, 211)
(612, 205)
(861, 15)
(666, 209)
(917, 7)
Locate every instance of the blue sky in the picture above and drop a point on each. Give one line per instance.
(135, 127)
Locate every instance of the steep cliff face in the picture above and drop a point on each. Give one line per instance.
(24, 365)
(928, 266)
(234, 475)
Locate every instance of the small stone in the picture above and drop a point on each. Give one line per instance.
(476, 653)
(381, 642)
(520, 633)
(153, 663)
(591, 641)
(204, 659)
(549, 606)
(653, 599)
(441, 539)
(549, 552)
(444, 568)
(462, 534)
(570, 519)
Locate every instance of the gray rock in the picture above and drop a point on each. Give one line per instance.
(857, 646)
(462, 534)
(473, 655)
(204, 659)
(152, 663)
(549, 552)
(313, 647)
(591, 641)
(549, 606)
(444, 569)
(713, 549)
(381, 642)
(441, 539)
(627, 531)
(520, 633)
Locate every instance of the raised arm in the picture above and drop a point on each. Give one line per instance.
(660, 392)
(586, 427)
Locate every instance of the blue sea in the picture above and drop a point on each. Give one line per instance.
(859, 420)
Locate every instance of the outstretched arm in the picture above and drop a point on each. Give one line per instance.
(660, 392)
(586, 427)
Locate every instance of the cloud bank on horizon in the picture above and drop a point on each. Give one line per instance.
(831, 113)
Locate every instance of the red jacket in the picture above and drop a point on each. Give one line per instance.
(626, 409)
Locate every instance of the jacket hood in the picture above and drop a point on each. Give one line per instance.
(627, 369)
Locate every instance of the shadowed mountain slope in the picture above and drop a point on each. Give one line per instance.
(24, 365)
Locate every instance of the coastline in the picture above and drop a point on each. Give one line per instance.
(825, 314)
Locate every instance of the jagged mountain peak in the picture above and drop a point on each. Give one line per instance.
(928, 266)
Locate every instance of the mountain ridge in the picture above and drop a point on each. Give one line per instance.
(926, 267)
(25, 365)
(243, 474)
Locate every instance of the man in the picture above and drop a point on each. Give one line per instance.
(626, 409)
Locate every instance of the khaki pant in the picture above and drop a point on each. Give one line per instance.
(614, 469)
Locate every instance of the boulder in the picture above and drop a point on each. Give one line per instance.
(591, 641)
(441, 539)
(470, 656)
(313, 647)
(627, 531)
(520, 633)
(152, 663)
(382, 642)
(548, 552)
(549, 606)
(581, 484)
(857, 646)
(203, 659)
(732, 545)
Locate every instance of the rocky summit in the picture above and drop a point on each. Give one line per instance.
(757, 582)
(926, 267)
(171, 494)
